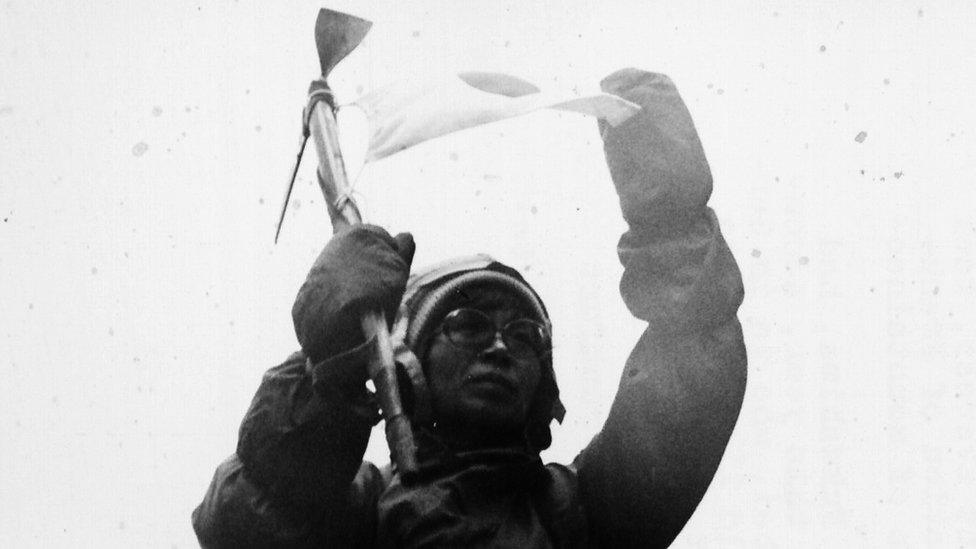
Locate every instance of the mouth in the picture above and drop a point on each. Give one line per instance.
(492, 379)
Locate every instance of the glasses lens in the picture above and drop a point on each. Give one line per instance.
(524, 337)
(474, 330)
(469, 328)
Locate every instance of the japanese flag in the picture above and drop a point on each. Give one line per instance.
(401, 116)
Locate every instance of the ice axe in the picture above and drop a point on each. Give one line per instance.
(337, 34)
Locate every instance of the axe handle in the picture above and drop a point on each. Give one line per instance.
(382, 368)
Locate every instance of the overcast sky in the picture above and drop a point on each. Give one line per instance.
(144, 149)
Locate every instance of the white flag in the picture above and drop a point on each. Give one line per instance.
(402, 116)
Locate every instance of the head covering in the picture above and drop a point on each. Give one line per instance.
(431, 293)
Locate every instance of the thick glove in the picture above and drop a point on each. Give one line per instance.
(362, 268)
(656, 159)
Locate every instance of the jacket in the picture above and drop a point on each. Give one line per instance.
(297, 479)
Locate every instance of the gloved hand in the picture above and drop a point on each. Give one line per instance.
(362, 268)
(655, 158)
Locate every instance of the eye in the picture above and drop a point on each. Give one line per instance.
(468, 327)
(526, 334)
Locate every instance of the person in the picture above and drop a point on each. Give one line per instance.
(473, 341)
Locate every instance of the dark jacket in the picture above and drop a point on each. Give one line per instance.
(298, 480)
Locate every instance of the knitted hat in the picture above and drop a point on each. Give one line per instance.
(430, 295)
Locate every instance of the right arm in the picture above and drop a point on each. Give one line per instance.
(297, 479)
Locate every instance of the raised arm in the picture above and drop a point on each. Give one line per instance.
(297, 479)
(682, 387)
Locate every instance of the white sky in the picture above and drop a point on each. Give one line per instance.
(144, 148)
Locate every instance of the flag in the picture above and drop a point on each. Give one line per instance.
(401, 115)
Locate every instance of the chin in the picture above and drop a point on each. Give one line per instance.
(491, 415)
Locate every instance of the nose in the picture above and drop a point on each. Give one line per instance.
(497, 345)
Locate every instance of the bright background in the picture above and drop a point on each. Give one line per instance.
(144, 148)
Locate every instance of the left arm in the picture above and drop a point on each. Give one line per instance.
(679, 396)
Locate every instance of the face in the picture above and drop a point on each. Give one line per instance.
(485, 388)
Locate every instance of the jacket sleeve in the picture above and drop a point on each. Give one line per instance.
(681, 389)
(297, 479)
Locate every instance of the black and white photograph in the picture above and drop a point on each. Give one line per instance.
(502, 274)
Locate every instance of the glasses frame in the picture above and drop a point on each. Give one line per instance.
(545, 343)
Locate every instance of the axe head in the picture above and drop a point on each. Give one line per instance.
(337, 34)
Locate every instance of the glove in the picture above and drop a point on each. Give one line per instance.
(655, 158)
(361, 269)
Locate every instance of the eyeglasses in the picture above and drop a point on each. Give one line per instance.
(473, 330)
